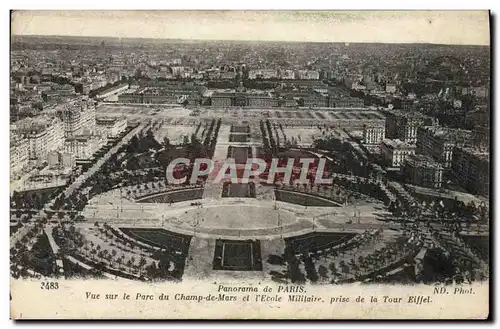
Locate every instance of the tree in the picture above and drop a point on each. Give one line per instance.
(323, 272)
(37, 106)
(333, 268)
(93, 252)
(142, 262)
(152, 270)
(166, 143)
(119, 261)
(311, 273)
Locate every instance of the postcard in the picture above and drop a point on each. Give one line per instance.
(249, 164)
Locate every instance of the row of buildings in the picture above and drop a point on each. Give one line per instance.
(228, 99)
(175, 95)
(286, 74)
(425, 151)
(194, 94)
(68, 134)
(404, 125)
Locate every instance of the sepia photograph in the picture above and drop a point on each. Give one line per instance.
(245, 164)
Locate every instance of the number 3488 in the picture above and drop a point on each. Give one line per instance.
(49, 285)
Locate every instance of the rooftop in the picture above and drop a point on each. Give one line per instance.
(79, 138)
(477, 152)
(420, 160)
(376, 124)
(108, 120)
(396, 144)
(450, 134)
(405, 114)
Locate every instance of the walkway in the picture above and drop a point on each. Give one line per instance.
(54, 247)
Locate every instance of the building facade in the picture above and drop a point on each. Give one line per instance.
(439, 142)
(345, 102)
(481, 136)
(43, 135)
(78, 119)
(262, 74)
(423, 170)
(308, 75)
(81, 147)
(111, 127)
(316, 101)
(471, 167)
(53, 158)
(19, 153)
(404, 125)
(130, 98)
(373, 133)
(390, 88)
(262, 101)
(395, 151)
(222, 99)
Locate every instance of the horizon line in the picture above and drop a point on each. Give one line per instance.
(249, 40)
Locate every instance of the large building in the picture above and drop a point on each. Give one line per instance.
(53, 158)
(55, 135)
(308, 75)
(408, 105)
(43, 135)
(262, 74)
(395, 151)
(164, 94)
(422, 170)
(243, 99)
(222, 99)
(289, 101)
(373, 133)
(404, 125)
(288, 74)
(315, 101)
(111, 126)
(345, 102)
(390, 88)
(78, 118)
(471, 167)
(228, 75)
(262, 101)
(130, 97)
(303, 93)
(19, 153)
(112, 91)
(81, 147)
(481, 136)
(439, 142)
(156, 96)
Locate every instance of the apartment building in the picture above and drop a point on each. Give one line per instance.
(395, 151)
(423, 170)
(110, 126)
(471, 167)
(439, 142)
(373, 133)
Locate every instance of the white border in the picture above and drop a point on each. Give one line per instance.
(192, 4)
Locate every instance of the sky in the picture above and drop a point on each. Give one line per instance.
(439, 27)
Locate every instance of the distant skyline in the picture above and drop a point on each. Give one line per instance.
(437, 27)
